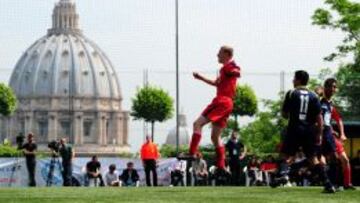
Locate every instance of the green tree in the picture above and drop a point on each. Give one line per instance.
(245, 102)
(7, 100)
(319, 80)
(264, 133)
(152, 104)
(344, 15)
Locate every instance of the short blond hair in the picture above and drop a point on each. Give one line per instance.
(228, 50)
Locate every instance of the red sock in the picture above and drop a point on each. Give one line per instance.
(347, 176)
(220, 157)
(195, 141)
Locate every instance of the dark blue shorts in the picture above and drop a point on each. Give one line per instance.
(299, 137)
(328, 145)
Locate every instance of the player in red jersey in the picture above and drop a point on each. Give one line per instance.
(329, 91)
(218, 111)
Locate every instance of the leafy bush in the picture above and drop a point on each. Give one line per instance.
(9, 151)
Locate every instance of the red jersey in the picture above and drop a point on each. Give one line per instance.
(226, 82)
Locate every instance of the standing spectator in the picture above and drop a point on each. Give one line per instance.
(236, 152)
(149, 156)
(29, 150)
(199, 168)
(129, 176)
(67, 154)
(93, 170)
(112, 177)
(355, 163)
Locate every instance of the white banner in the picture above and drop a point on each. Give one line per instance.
(13, 171)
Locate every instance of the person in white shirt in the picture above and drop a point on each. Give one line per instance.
(112, 177)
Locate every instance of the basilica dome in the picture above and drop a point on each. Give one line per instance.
(67, 87)
(65, 63)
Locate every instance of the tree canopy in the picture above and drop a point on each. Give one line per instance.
(7, 100)
(152, 104)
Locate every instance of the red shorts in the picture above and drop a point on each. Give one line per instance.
(339, 147)
(219, 111)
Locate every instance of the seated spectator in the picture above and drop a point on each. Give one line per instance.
(93, 171)
(199, 170)
(223, 177)
(129, 177)
(269, 165)
(268, 168)
(299, 171)
(254, 172)
(177, 173)
(355, 167)
(281, 176)
(112, 177)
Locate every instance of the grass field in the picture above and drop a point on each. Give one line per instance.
(189, 194)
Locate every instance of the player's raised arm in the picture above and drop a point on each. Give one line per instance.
(204, 79)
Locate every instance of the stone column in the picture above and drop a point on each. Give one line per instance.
(53, 126)
(57, 20)
(115, 128)
(119, 129)
(29, 122)
(99, 128)
(79, 128)
(125, 127)
(105, 131)
(13, 128)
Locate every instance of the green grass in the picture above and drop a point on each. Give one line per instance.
(165, 194)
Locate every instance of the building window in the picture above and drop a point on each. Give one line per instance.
(65, 128)
(43, 129)
(22, 128)
(87, 128)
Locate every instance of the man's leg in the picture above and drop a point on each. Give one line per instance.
(147, 173)
(219, 147)
(172, 178)
(70, 175)
(237, 174)
(102, 183)
(31, 170)
(346, 170)
(319, 167)
(64, 174)
(196, 137)
(32, 173)
(153, 168)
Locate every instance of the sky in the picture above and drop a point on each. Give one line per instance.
(137, 35)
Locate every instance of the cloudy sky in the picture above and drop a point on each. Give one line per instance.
(268, 37)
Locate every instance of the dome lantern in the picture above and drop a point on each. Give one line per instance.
(65, 20)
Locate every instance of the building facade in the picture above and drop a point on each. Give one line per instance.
(66, 86)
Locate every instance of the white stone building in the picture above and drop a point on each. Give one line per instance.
(183, 133)
(67, 87)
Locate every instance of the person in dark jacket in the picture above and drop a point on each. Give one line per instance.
(129, 176)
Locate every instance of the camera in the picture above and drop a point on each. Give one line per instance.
(20, 141)
(54, 145)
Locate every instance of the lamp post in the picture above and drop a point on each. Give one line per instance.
(177, 72)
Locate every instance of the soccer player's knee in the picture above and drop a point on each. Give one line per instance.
(197, 125)
(345, 159)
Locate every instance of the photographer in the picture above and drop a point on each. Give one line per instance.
(67, 154)
(29, 150)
